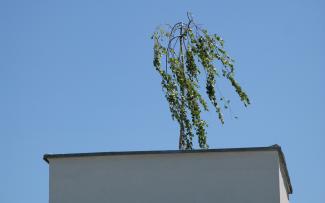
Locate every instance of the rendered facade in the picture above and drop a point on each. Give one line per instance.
(239, 175)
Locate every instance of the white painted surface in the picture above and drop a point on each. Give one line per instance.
(284, 197)
(221, 177)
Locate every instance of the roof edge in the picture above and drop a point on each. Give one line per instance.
(284, 168)
(275, 147)
(46, 157)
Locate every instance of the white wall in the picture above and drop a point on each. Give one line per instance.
(284, 197)
(220, 177)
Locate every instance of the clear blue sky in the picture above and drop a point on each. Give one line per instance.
(77, 76)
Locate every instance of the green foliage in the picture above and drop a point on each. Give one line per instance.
(188, 50)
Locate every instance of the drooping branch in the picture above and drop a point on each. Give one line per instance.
(188, 49)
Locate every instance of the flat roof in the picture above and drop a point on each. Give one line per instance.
(275, 147)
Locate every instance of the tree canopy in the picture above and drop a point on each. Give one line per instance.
(182, 53)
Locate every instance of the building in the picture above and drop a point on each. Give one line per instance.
(236, 175)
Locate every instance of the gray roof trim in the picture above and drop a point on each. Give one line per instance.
(275, 147)
(284, 168)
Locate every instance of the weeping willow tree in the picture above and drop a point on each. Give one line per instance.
(182, 53)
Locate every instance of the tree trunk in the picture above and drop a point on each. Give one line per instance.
(181, 142)
(182, 137)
